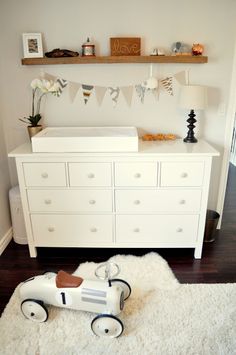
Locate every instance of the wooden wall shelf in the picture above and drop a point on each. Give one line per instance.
(112, 60)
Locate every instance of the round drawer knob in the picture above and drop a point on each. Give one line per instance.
(91, 176)
(93, 230)
(182, 202)
(92, 202)
(51, 229)
(179, 230)
(137, 202)
(136, 230)
(184, 175)
(44, 175)
(137, 176)
(47, 201)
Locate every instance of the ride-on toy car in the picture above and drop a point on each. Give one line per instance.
(105, 297)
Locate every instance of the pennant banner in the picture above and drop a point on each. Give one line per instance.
(150, 85)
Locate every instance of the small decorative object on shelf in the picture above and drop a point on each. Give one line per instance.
(192, 97)
(88, 49)
(40, 88)
(179, 48)
(32, 45)
(157, 51)
(58, 53)
(129, 46)
(197, 49)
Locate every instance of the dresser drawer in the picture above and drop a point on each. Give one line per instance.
(71, 230)
(182, 173)
(44, 174)
(70, 200)
(136, 174)
(171, 229)
(90, 174)
(149, 201)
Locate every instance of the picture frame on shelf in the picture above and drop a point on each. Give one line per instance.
(32, 45)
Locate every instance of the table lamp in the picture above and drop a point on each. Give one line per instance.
(192, 97)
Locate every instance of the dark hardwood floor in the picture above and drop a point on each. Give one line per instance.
(218, 263)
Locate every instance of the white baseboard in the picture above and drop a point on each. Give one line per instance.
(5, 240)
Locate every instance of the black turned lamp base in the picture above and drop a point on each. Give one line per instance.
(190, 135)
(190, 140)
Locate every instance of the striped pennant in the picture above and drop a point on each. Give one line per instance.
(168, 85)
(62, 83)
(87, 90)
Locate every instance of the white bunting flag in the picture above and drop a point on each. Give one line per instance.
(100, 92)
(87, 90)
(181, 77)
(127, 91)
(73, 90)
(167, 84)
(140, 92)
(114, 92)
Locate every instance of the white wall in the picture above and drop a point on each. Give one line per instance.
(66, 24)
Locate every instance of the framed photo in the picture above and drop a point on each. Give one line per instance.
(32, 45)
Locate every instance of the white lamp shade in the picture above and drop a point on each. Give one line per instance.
(193, 97)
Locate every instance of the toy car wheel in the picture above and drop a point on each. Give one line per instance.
(125, 286)
(34, 310)
(107, 325)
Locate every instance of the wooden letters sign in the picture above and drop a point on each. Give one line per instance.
(125, 46)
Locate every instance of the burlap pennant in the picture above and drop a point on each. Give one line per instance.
(181, 77)
(73, 90)
(100, 92)
(127, 91)
(87, 91)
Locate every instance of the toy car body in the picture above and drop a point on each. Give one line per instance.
(105, 297)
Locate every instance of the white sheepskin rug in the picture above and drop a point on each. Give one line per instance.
(161, 317)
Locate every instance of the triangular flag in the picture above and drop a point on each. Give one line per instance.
(167, 84)
(128, 94)
(181, 77)
(48, 76)
(100, 92)
(114, 92)
(62, 85)
(140, 92)
(73, 89)
(87, 90)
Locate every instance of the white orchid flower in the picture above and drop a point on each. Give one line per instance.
(36, 83)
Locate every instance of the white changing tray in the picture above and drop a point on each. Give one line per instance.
(85, 139)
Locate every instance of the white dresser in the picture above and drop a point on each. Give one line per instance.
(155, 198)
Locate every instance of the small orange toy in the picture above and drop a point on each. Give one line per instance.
(197, 49)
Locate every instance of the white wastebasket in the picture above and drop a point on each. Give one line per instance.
(18, 223)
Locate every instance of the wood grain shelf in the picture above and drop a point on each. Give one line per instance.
(113, 60)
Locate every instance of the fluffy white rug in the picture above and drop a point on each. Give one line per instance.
(161, 317)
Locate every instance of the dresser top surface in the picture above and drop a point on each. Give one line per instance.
(155, 148)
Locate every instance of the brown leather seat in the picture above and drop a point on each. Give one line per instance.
(64, 279)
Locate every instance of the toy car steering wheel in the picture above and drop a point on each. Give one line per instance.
(107, 271)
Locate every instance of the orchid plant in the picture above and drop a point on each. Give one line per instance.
(40, 88)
